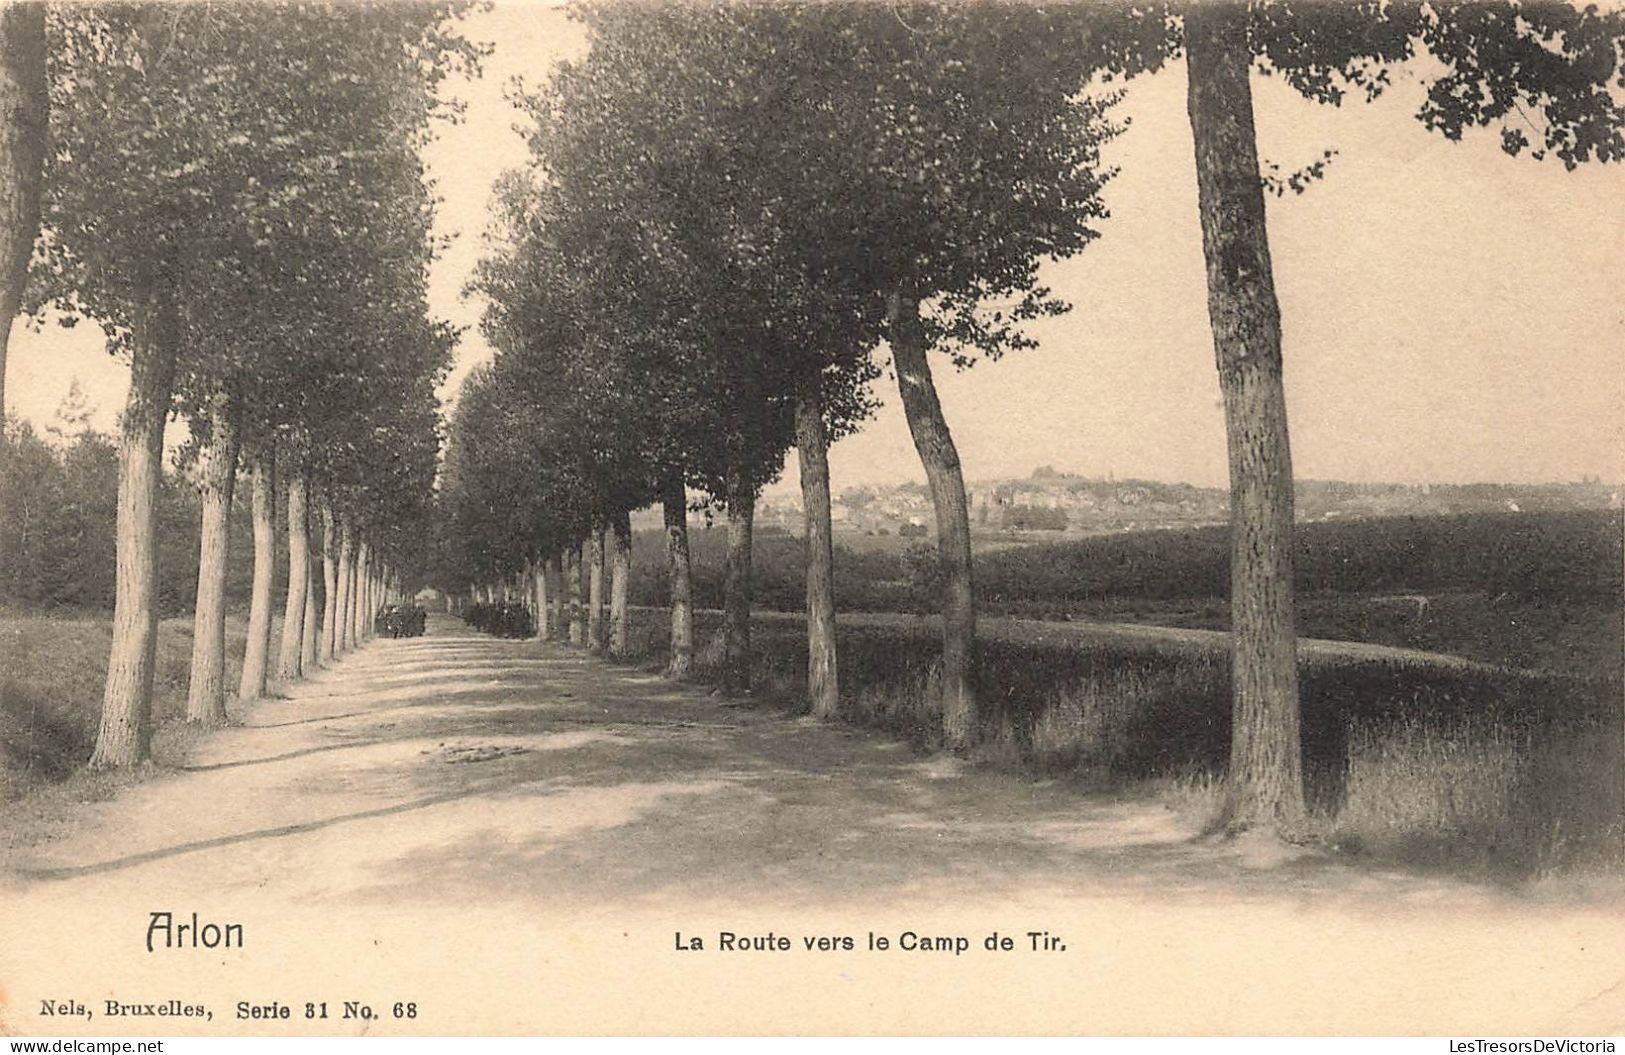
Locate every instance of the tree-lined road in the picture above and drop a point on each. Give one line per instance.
(458, 820)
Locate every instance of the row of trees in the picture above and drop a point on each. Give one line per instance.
(731, 205)
(234, 194)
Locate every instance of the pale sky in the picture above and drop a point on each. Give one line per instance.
(1449, 313)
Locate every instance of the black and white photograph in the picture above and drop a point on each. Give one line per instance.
(773, 518)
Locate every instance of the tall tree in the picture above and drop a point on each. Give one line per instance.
(620, 584)
(24, 100)
(291, 658)
(262, 513)
(330, 588)
(975, 169)
(674, 513)
(1495, 63)
(217, 480)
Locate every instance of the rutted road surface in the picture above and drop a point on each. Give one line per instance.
(512, 837)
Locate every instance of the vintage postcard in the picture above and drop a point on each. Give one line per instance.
(781, 518)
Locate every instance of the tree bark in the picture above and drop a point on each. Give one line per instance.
(360, 611)
(602, 571)
(291, 660)
(124, 736)
(812, 447)
(620, 583)
(577, 577)
(594, 558)
(346, 606)
(363, 594)
(308, 637)
(330, 584)
(940, 458)
(24, 121)
(1265, 784)
(674, 504)
(736, 590)
(544, 617)
(217, 471)
(257, 652)
(561, 610)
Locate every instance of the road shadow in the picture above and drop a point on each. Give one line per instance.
(530, 771)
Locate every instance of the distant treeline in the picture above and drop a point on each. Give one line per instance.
(58, 523)
(1569, 555)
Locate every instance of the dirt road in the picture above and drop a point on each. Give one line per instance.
(467, 835)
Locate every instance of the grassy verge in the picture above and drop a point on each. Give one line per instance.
(1477, 772)
(51, 683)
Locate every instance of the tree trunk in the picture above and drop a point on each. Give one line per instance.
(1265, 784)
(124, 737)
(578, 592)
(602, 571)
(257, 652)
(358, 599)
(330, 585)
(217, 471)
(594, 559)
(24, 118)
(940, 458)
(620, 582)
(291, 660)
(307, 638)
(363, 594)
(346, 607)
(736, 590)
(812, 447)
(360, 611)
(674, 503)
(543, 615)
(561, 609)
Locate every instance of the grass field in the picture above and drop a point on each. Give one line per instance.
(51, 687)
(1539, 590)
(1471, 770)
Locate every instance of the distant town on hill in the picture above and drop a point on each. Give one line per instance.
(1051, 502)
